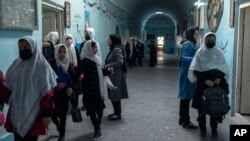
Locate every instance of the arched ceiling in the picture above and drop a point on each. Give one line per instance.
(159, 21)
(140, 9)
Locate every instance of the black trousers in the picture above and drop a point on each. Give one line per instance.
(117, 107)
(202, 121)
(139, 61)
(59, 115)
(17, 137)
(184, 111)
(74, 101)
(96, 118)
(59, 118)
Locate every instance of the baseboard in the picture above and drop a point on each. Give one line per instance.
(238, 119)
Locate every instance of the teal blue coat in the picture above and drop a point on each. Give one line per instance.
(186, 88)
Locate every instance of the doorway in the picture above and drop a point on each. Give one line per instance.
(243, 63)
(52, 20)
(160, 43)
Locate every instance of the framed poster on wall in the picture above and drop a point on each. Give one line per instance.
(231, 18)
(67, 14)
(18, 14)
(87, 19)
(214, 13)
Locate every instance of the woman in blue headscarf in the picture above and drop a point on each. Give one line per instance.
(186, 88)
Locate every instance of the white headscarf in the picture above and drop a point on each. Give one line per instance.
(71, 50)
(207, 59)
(53, 37)
(65, 62)
(87, 52)
(91, 32)
(29, 81)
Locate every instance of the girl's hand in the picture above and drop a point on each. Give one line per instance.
(111, 70)
(217, 81)
(81, 76)
(60, 85)
(47, 121)
(69, 92)
(209, 83)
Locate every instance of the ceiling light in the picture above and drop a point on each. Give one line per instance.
(199, 3)
(158, 12)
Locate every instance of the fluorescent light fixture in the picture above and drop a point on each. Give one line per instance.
(158, 12)
(199, 3)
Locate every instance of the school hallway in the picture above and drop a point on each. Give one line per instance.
(150, 114)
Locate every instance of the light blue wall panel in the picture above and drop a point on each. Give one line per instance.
(103, 22)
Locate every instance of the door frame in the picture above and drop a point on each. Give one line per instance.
(239, 57)
(60, 18)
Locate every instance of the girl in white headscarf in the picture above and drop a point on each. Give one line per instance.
(48, 46)
(71, 49)
(64, 90)
(94, 83)
(209, 69)
(52, 37)
(89, 34)
(29, 80)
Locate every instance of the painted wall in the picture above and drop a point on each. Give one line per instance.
(104, 17)
(9, 52)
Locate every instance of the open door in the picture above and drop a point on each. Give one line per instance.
(245, 76)
(52, 20)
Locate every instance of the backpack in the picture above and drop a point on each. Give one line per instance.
(215, 102)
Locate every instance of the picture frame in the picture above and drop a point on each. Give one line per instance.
(231, 17)
(67, 13)
(23, 16)
(214, 14)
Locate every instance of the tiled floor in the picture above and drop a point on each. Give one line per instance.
(150, 114)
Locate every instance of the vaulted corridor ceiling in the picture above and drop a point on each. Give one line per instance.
(141, 9)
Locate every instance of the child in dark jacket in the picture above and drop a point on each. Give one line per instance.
(64, 90)
(94, 84)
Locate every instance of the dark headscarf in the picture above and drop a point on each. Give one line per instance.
(184, 37)
(190, 33)
(48, 50)
(116, 39)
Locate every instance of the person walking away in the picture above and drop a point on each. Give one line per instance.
(152, 54)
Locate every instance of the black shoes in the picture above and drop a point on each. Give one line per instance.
(214, 133)
(109, 116)
(180, 122)
(97, 136)
(189, 125)
(203, 135)
(83, 108)
(61, 139)
(113, 117)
